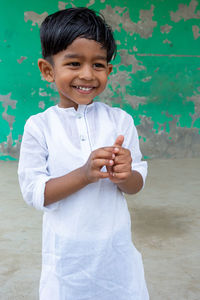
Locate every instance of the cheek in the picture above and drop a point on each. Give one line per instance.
(104, 80)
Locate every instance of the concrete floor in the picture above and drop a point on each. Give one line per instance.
(166, 225)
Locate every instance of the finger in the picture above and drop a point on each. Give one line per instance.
(109, 169)
(100, 162)
(121, 168)
(120, 176)
(107, 152)
(119, 140)
(122, 151)
(102, 174)
(123, 159)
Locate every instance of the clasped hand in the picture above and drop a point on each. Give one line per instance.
(116, 159)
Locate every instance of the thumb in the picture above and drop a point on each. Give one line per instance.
(119, 140)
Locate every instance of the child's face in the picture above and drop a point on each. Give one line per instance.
(80, 72)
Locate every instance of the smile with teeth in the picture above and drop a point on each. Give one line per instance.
(84, 88)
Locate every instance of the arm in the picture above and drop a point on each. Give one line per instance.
(129, 181)
(61, 187)
(38, 187)
(133, 184)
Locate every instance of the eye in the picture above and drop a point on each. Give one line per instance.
(73, 64)
(99, 66)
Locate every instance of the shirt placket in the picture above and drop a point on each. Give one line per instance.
(83, 130)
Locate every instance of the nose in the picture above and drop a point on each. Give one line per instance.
(86, 72)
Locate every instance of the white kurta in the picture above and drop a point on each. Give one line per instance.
(87, 249)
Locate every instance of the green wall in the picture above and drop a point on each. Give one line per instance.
(156, 76)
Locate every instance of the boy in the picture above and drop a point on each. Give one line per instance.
(76, 160)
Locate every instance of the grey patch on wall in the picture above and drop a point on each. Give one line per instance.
(34, 17)
(184, 142)
(62, 5)
(9, 147)
(144, 27)
(6, 101)
(166, 41)
(165, 28)
(41, 104)
(147, 79)
(43, 93)
(106, 97)
(53, 86)
(21, 59)
(196, 100)
(135, 101)
(196, 31)
(90, 3)
(119, 81)
(128, 59)
(186, 12)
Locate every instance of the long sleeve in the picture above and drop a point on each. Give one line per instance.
(132, 143)
(32, 170)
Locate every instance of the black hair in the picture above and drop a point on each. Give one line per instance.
(60, 29)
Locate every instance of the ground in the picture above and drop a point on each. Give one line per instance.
(165, 223)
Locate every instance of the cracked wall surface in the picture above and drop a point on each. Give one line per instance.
(156, 75)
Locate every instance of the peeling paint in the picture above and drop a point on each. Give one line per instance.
(34, 17)
(21, 59)
(135, 101)
(147, 79)
(9, 147)
(130, 60)
(62, 5)
(6, 102)
(166, 41)
(196, 31)
(167, 55)
(90, 3)
(144, 27)
(41, 104)
(186, 12)
(165, 28)
(42, 92)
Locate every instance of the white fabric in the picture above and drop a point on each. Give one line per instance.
(88, 253)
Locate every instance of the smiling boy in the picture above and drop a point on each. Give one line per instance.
(80, 72)
(76, 160)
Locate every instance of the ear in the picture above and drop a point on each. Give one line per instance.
(46, 69)
(110, 68)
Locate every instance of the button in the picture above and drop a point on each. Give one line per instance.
(79, 116)
(83, 138)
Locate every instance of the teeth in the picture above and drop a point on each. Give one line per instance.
(84, 88)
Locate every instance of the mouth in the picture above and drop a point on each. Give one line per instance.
(83, 89)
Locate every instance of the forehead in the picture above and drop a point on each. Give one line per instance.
(83, 48)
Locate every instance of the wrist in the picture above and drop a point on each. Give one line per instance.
(83, 176)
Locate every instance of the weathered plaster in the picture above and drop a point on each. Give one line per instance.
(186, 12)
(90, 3)
(144, 27)
(160, 144)
(9, 147)
(165, 28)
(196, 31)
(6, 102)
(166, 41)
(130, 60)
(21, 59)
(34, 17)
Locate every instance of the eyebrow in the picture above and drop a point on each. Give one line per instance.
(69, 55)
